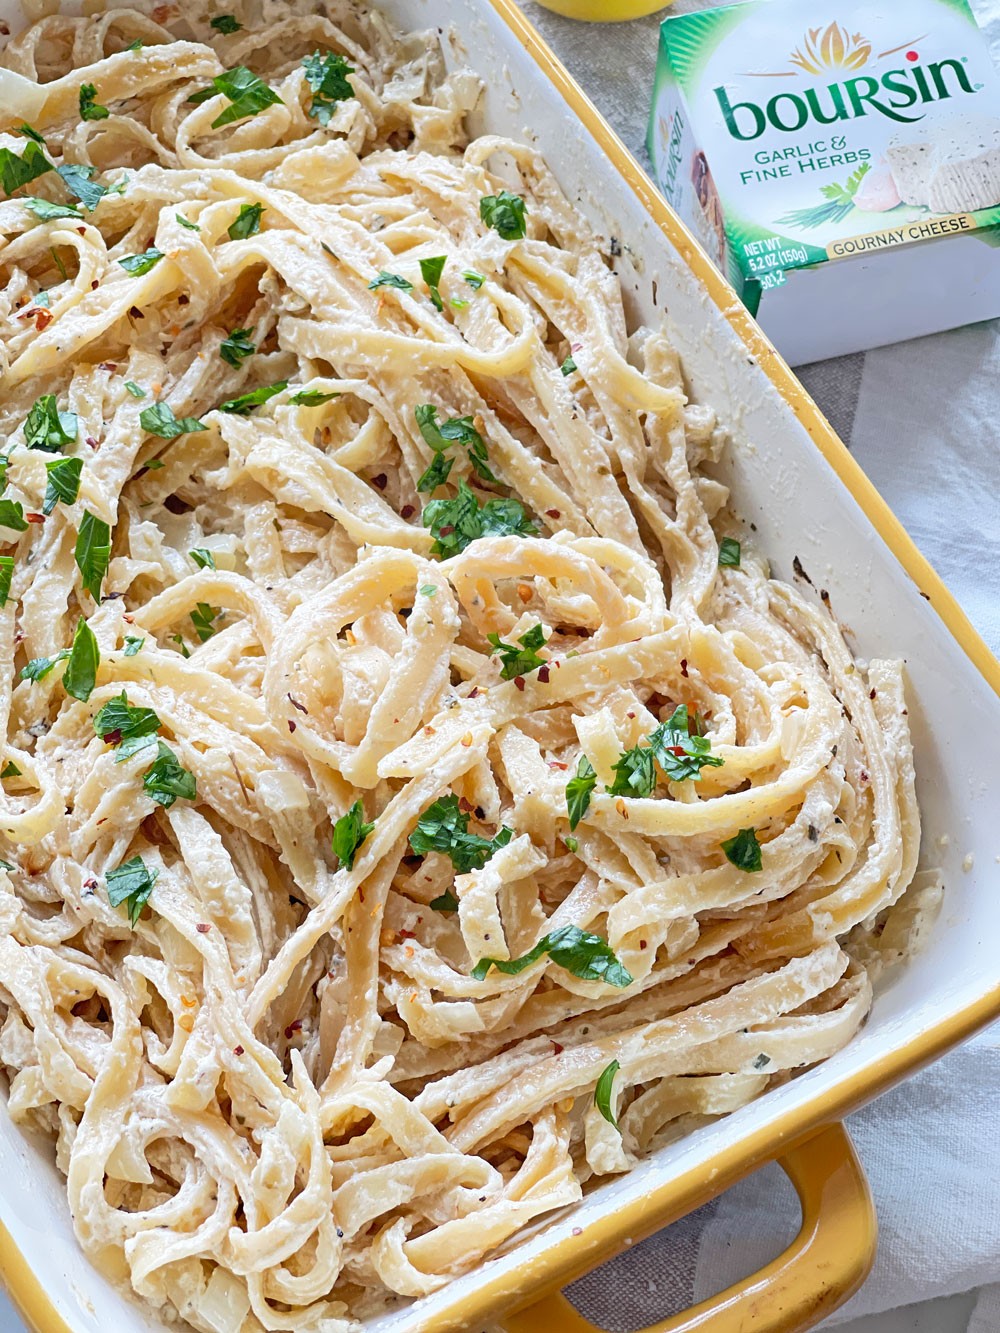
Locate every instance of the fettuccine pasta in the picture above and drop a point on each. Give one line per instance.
(418, 801)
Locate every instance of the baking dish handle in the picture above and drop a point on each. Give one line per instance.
(826, 1263)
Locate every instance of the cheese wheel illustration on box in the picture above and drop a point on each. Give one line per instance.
(840, 163)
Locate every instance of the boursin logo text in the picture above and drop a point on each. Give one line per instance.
(896, 93)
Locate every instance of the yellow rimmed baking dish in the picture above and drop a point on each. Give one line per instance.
(806, 498)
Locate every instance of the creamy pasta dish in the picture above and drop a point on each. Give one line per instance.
(418, 800)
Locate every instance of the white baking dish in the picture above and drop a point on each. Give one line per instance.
(807, 498)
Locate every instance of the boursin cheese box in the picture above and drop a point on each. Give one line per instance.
(840, 161)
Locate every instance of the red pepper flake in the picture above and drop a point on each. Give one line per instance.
(92, 442)
(447, 530)
(553, 513)
(90, 884)
(128, 619)
(135, 312)
(543, 674)
(81, 231)
(109, 365)
(642, 944)
(872, 695)
(112, 737)
(94, 285)
(183, 299)
(408, 511)
(465, 805)
(864, 776)
(518, 680)
(474, 692)
(630, 715)
(291, 725)
(293, 1027)
(35, 518)
(237, 1050)
(557, 1047)
(558, 764)
(203, 927)
(43, 319)
(407, 934)
(295, 704)
(380, 481)
(684, 667)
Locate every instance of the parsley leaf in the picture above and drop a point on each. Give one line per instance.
(236, 348)
(133, 645)
(349, 832)
(327, 77)
(456, 523)
(130, 728)
(584, 955)
(474, 279)
(6, 574)
(225, 23)
(39, 667)
(168, 779)
(48, 429)
(12, 515)
(248, 94)
(744, 851)
(729, 553)
(579, 790)
(311, 397)
(568, 366)
(134, 389)
(160, 420)
(90, 108)
(504, 212)
(63, 482)
(10, 770)
(202, 557)
(602, 1093)
(444, 902)
(137, 265)
(31, 134)
(444, 827)
(131, 883)
(458, 430)
(247, 223)
(188, 226)
(437, 474)
(517, 661)
(679, 750)
(78, 179)
(390, 280)
(48, 211)
(202, 617)
(93, 552)
(635, 773)
(246, 402)
(80, 673)
(430, 271)
(17, 171)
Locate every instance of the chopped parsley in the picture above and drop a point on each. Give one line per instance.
(168, 779)
(584, 955)
(225, 23)
(246, 402)
(579, 790)
(390, 280)
(518, 661)
(568, 366)
(202, 617)
(17, 171)
(79, 180)
(160, 420)
(504, 212)
(247, 222)
(456, 523)
(6, 574)
(10, 770)
(39, 667)
(327, 77)
(430, 271)
(134, 389)
(444, 827)
(12, 515)
(729, 553)
(93, 552)
(236, 348)
(572, 844)
(131, 883)
(444, 902)
(80, 672)
(248, 95)
(48, 211)
(90, 108)
(48, 429)
(679, 748)
(188, 226)
(138, 265)
(603, 1090)
(124, 725)
(635, 773)
(133, 645)
(744, 851)
(202, 557)
(349, 832)
(31, 134)
(474, 279)
(311, 397)
(458, 430)
(63, 482)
